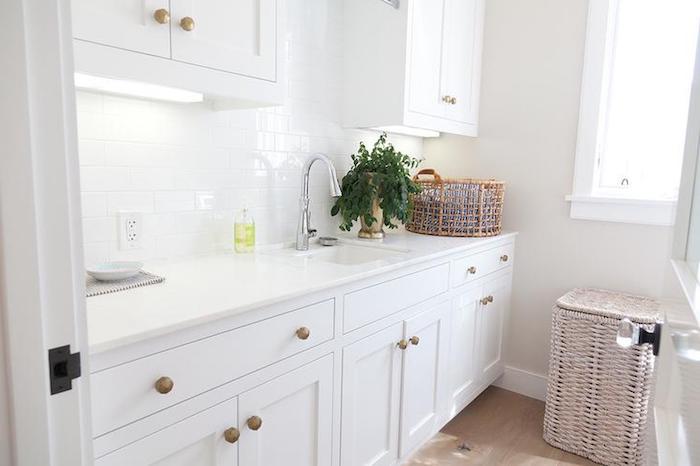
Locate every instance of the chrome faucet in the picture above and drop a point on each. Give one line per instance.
(304, 230)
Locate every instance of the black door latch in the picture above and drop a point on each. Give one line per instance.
(63, 368)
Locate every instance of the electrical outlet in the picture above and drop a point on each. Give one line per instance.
(130, 231)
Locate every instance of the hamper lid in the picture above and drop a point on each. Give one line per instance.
(640, 309)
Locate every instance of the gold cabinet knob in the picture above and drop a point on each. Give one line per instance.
(471, 270)
(254, 423)
(403, 344)
(303, 333)
(504, 258)
(162, 16)
(453, 101)
(484, 301)
(232, 435)
(187, 23)
(164, 385)
(447, 99)
(414, 340)
(490, 298)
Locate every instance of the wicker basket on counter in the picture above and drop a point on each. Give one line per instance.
(456, 207)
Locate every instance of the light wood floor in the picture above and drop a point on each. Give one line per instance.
(498, 428)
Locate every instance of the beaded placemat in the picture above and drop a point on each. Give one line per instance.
(95, 287)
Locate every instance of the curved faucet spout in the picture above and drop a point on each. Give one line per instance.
(304, 230)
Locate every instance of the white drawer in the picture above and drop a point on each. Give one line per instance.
(375, 302)
(472, 267)
(125, 393)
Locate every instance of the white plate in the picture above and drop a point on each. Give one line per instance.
(111, 271)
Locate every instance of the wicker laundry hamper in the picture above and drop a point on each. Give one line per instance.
(456, 207)
(599, 393)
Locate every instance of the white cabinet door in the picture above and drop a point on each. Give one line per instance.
(492, 316)
(464, 347)
(463, 31)
(370, 399)
(198, 440)
(296, 413)
(423, 402)
(239, 36)
(425, 57)
(126, 24)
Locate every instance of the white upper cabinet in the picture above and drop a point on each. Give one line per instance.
(229, 35)
(229, 50)
(127, 24)
(420, 64)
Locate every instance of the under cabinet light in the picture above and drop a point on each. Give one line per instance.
(408, 131)
(136, 89)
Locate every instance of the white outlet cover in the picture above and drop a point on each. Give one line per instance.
(130, 227)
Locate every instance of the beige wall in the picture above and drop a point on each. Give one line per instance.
(5, 433)
(533, 52)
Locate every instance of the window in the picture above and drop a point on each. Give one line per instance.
(638, 69)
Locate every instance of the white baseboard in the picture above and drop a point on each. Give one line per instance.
(523, 382)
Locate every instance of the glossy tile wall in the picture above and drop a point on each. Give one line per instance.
(189, 168)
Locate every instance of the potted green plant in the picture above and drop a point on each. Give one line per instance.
(377, 189)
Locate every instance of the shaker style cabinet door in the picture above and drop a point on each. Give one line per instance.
(238, 36)
(461, 76)
(288, 421)
(209, 438)
(136, 25)
(492, 317)
(371, 398)
(425, 57)
(463, 349)
(424, 398)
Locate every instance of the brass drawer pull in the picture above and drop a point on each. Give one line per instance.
(447, 99)
(187, 24)
(484, 301)
(164, 385)
(490, 298)
(504, 258)
(403, 344)
(471, 270)
(303, 333)
(232, 435)
(414, 340)
(162, 16)
(254, 423)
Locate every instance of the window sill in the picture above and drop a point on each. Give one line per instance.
(635, 211)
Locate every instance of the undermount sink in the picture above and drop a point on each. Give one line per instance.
(344, 253)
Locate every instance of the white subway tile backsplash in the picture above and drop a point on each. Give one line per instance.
(188, 168)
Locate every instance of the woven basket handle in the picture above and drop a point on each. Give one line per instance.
(428, 171)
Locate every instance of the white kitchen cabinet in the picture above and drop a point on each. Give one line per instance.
(371, 399)
(205, 439)
(464, 347)
(126, 24)
(295, 414)
(230, 35)
(229, 50)
(492, 311)
(424, 395)
(425, 59)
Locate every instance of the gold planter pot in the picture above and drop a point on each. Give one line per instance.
(374, 231)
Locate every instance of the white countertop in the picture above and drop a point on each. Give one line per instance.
(202, 289)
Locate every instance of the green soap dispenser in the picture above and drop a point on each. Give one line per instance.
(244, 232)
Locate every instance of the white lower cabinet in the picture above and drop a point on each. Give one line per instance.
(294, 413)
(423, 400)
(202, 440)
(492, 309)
(371, 399)
(462, 372)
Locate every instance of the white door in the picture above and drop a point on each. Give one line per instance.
(42, 279)
(288, 421)
(209, 438)
(423, 402)
(461, 74)
(370, 399)
(425, 57)
(492, 310)
(464, 347)
(137, 25)
(239, 36)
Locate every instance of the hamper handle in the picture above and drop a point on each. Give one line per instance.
(428, 171)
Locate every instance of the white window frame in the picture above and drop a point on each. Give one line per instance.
(586, 202)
